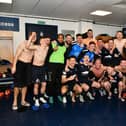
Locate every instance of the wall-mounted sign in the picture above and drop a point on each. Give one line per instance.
(10, 24)
(41, 22)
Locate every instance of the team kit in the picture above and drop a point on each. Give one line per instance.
(69, 70)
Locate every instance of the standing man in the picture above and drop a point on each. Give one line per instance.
(111, 55)
(68, 40)
(89, 37)
(119, 41)
(56, 66)
(78, 47)
(22, 71)
(39, 74)
(100, 46)
(68, 44)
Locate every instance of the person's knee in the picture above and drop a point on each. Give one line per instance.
(121, 84)
(106, 84)
(78, 89)
(96, 85)
(63, 90)
(36, 86)
(85, 87)
(16, 89)
(43, 85)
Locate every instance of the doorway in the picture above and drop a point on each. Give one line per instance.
(6, 45)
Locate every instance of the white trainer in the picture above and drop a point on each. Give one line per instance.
(101, 93)
(122, 99)
(81, 98)
(115, 91)
(109, 97)
(90, 96)
(37, 102)
(42, 100)
(14, 107)
(46, 96)
(64, 100)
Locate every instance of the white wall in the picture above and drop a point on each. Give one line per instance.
(84, 26)
(78, 27)
(62, 25)
(102, 29)
(99, 29)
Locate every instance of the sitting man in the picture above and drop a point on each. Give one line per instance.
(69, 80)
(83, 78)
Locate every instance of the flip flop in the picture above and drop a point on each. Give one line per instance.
(26, 104)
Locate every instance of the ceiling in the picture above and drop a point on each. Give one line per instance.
(70, 9)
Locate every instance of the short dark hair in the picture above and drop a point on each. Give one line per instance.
(73, 38)
(77, 35)
(44, 37)
(60, 34)
(119, 31)
(84, 35)
(98, 58)
(47, 36)
(90, 30)
(70, 57)
(68, 35)
(92, 42)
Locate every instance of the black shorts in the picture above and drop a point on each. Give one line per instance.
(23, 74)
(71, 85)
(39, 74)
(88, 82)
(114, 85)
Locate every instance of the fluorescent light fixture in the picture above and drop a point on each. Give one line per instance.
(6, 1)
(101, 13)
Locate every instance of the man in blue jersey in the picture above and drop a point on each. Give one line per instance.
(77, 47)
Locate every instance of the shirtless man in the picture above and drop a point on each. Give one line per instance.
(96, 73)
(89, 38)
(22, 71)
(39, 75)
(119, 41)
(122, 67)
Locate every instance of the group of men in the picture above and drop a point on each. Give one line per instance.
(63, 68)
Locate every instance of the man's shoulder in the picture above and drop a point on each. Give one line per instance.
(22, 43)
